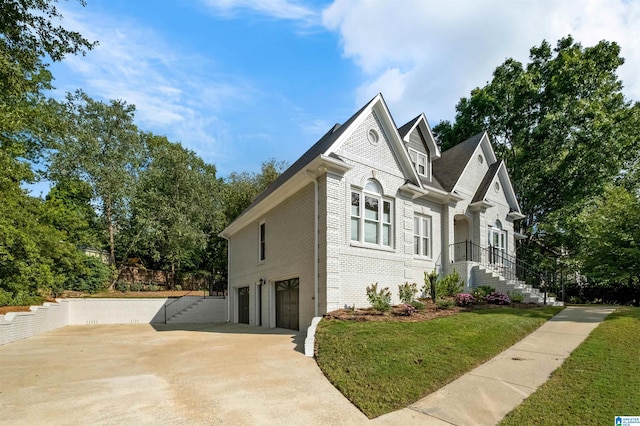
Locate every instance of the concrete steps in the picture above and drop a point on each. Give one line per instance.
(205, 310)
(485, 276)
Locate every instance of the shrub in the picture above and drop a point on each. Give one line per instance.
(407, 292)
(122, 286)
(430, 284)
(450, 285)
(153, 287)
(497, 298)
(135, 287)
(515, 297)
(445, 303)
(464, 299)
(178, 287)
(380, 300)
(408, 310)
(419, 306)
(483, 291)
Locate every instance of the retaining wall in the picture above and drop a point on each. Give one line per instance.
(49, 316)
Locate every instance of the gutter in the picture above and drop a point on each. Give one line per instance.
(315, 248)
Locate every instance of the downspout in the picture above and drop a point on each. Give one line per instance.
(315, 247)
(228, 287)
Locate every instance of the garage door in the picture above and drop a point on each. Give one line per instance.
(243, 305)
(287, 293)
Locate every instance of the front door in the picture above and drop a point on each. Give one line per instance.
(243, 305)
(287, 296)
(498, 245)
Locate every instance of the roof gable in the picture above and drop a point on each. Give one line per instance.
(421, 126)
(449, 168)
(497, 173)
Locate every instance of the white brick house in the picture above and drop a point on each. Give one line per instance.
(369, 202)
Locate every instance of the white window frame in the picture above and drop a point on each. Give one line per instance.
(262, 241)
(422, 236)
(415, 157)
(383, 221)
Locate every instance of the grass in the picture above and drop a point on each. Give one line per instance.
(600, 380)
(384, 366)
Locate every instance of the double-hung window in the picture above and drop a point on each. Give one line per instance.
(422, 235)
(420, 162)
(371, 216)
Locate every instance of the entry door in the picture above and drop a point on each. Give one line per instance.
(243, 305)
(498, 242)
(287, 296)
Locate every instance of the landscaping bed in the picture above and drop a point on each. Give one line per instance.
(383, 363)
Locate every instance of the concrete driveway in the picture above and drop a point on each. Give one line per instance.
(143, 374)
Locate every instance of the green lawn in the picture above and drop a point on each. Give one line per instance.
(600, 380)
(384, 366)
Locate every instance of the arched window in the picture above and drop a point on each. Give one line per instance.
(371, 215)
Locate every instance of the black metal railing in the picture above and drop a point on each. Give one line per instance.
(502, 263)
(180, 304)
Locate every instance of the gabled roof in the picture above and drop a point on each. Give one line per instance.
(486, 182)
(449, 167)
(404, 130)
(421, 125)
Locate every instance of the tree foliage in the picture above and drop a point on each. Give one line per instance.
(104, 148)
(566, 132)
(561, 123)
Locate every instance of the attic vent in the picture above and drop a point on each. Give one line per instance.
(373, 137)
(496, 186)
(480, 159)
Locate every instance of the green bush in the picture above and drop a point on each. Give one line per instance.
(445, 303)
(483, 291)
(379, 300)
(135, 287)
(178, 287)
(122, 286)
(92, 277)
(419, 306)
(153, 287)
(407, 292)
(515, 297)
(450, 285)
(430, 284)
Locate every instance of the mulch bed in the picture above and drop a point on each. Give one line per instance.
(397, 313)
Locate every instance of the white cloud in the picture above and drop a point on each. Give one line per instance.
(423, 55)
(280, 9)
(173, 91)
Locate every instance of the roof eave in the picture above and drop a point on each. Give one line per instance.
(481, 205)
(316, 168)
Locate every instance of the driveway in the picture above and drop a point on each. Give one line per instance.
(143, 374)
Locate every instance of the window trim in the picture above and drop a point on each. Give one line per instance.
(384, 223)
(418, 155)
(421, 235)
(262, 241)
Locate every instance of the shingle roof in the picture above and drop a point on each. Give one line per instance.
(405, 129)
(320, 147)
(484, 185)
(448, 168)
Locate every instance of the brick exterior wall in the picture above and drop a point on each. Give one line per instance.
(289, 254)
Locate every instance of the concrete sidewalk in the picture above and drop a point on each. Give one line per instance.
(485, 395)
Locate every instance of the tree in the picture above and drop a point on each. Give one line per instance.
(34, 256)
(562, 125)
(609, 254)
(174, 208)
(104, 148)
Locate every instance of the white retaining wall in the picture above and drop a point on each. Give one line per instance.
(21, 325)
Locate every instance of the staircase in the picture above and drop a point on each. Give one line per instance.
(486, 276)
(492, 267)
(188, 314)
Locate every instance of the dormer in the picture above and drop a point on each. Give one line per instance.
(421, 146)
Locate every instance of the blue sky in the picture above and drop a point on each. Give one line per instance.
(242, 81)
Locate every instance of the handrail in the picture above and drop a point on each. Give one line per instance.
(178, 300)
(501, 262)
